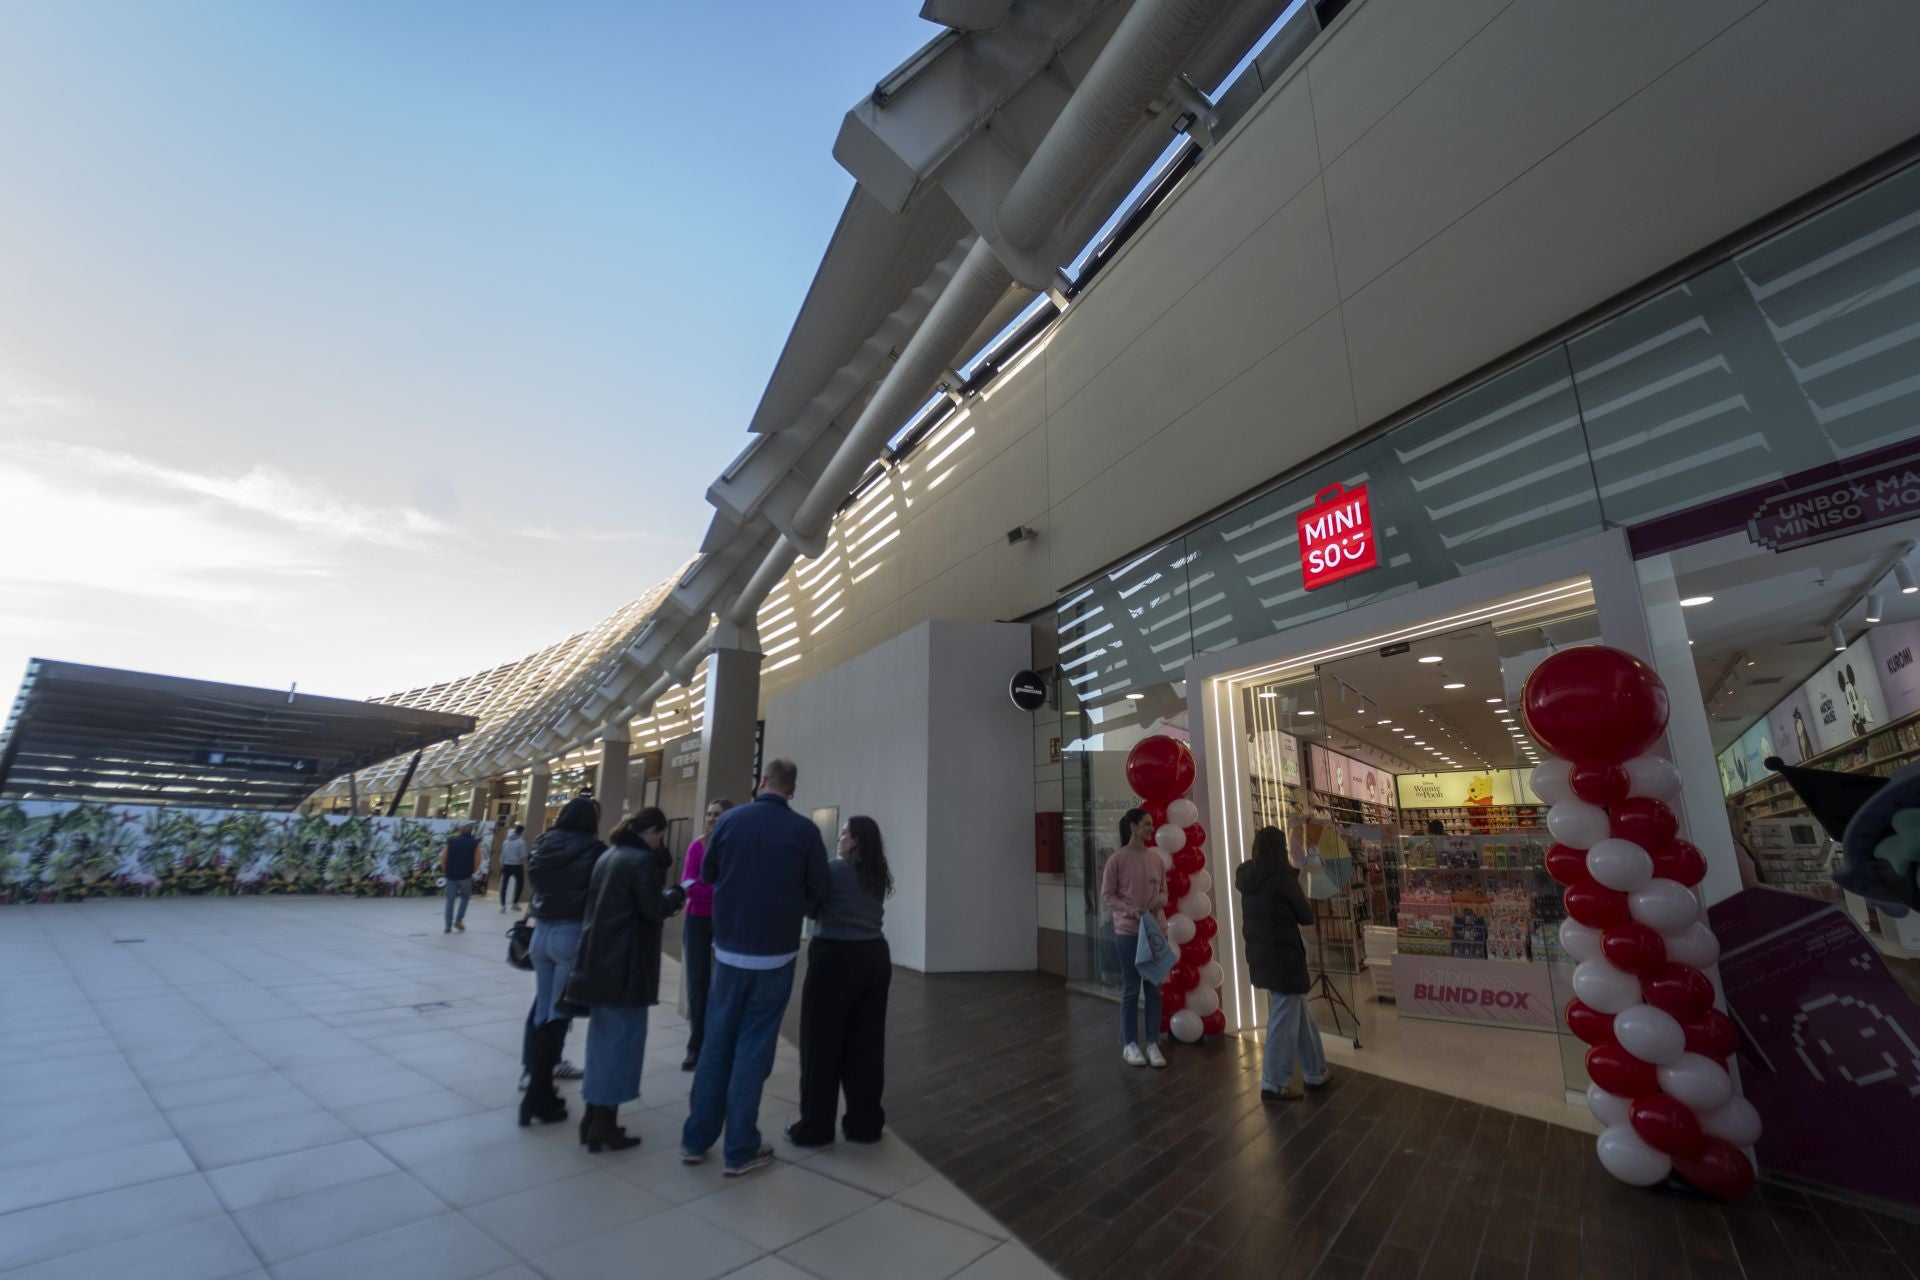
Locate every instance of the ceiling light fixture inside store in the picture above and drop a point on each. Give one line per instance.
(1306, 711)
(1876, 607)
(1268, 693)
(1692, 601)
(1904, 576)
(1453, 684)
(1432, 657)
(1837, 638)
(1135, 697)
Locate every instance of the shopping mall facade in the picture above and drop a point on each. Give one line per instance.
(1611, 311)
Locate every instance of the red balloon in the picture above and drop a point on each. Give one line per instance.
(1196, 953)
(1645, 821)
(1712, 1035)
(1189, 860)
(1667, 1124)
(1156, 813)
(1602, 784)
(1720, 1169)
(1196, 836)
(1591, 1025)
(1568, 866)
(1184, 976)
(1679, 989)
(1160, 769)
(1215, 1023)
(1597, 906)
(1681, 863)
(1592, 703)
(1177, 884)
(1620, 1073)
(1172, 999)
(1634, 947)
(1205, 929)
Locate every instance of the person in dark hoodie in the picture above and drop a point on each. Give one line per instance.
(616, 972)
(560, 871)
(1272, 909)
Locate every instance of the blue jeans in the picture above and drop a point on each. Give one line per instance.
(744, 1008)
(1290, 1034)
(616, 1050)
(554, 945)
(462, 890)
(1130, 992)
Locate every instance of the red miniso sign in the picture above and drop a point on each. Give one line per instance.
(1336, 536)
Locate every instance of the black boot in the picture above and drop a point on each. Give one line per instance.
(603, 1133)
(541, 1101)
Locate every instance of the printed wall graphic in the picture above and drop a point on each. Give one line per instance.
(1465, 788)
(1792, 727)
(1496, 991)
(1342, 775)
(56, 851)
(1895, 649)
(1276, 757)
(1846, 697)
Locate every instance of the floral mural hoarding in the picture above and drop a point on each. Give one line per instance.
(54, 851)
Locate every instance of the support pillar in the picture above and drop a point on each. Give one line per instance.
(477, 803)
(422, 804)
(611, 786)
(733, 715)
(536, 819)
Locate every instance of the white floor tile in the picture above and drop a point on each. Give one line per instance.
(25, 1186)
(885, 1168)
(777, 1206)
(542, 1219)
(769, 1268)
(445, 1247)
(316, 1220)
(406, 1113)
(1009, 1262)
(256, 1141)
(470, 1178)
(676, 1245)
(942, 1199)
(428, 1142)
(257, 1182)
(209, 1249)
(887, 1241)
(88, 1222)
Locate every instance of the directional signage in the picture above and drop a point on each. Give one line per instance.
(259, 762)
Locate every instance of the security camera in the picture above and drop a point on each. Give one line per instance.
(1020, 534)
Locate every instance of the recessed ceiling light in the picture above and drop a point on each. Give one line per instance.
(1432, 657)
(1493, 699)
(1419, 742)
(1453, 684)
(1135, 697)
(1692, 601)
(1386, 722)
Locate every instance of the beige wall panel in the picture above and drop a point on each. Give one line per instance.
(1786, 100)
(972, 512)
(1380, 55)
(1264, 164)
(1000, 582)
(1291, 405)
(843, 641)
(1532, 79)
(1279, 281)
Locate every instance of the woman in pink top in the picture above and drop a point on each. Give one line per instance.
(1134, 884)
(696, 939)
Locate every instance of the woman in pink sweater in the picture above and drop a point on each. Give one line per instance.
(1134, 884)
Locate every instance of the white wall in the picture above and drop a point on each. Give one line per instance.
(955, 806)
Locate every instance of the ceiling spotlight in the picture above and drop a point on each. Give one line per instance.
(1386, 722)
(1838, 638)
(1419, 742)
(1268, 693)
(1453, 684)
(1876, 607)
(1432, 657)
(1904, 576)
(1493, 699)
(1693, 601)
(1306, 711)
(1135, 697)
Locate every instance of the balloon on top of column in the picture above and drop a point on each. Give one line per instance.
(1646, 1002)
(1160, 770)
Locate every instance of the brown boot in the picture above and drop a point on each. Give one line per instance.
(602, 1132)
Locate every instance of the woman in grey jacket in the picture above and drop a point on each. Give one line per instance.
(1272, 910)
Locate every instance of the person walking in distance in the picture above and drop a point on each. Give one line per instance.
(513, 865)
(1272, 909)
(843, 1006)
(560, 868)
(616, 972)
(696, 937)
(457, 859)
(1135, 884)
(768, 868)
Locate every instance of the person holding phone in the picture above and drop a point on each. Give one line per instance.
(1135, 884)
(1272, 909)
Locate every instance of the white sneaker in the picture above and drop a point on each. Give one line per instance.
(1133, 1056)
(1155, 1057)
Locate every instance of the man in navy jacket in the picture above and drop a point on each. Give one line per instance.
(768, 868)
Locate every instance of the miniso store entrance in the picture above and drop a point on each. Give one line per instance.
(1387, 744)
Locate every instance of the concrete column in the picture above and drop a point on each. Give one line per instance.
(477, 804)
(733, 711)
(536, 819)
(611, 790)
(422, 804)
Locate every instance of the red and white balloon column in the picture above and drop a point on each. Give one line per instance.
(1645, 996)
(1160, 771)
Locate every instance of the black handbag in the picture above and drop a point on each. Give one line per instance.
(520, 944)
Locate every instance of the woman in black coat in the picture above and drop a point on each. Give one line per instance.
(616, 971)
(1272, 909)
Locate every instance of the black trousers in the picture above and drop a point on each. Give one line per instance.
(509, 875)
(843, 1038)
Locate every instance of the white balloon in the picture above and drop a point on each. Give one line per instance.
(1604, 987)
(1695, 945)
(1619, 864)
(1183, 812)
(1195, 906)
(1625, 1155)
(1212, 975)
(1179, 930)
(1650, 1034)
(1203, 1000)
(1609, 1109)
(1200, 882)
(1185, 1026)
(1737, 1122)
(1549, 781)
(1666, 906)
(1698, 1081)
(1580, 941)
(1170, 839)
(1166, 859)
(1577, 824)
(1653, 776)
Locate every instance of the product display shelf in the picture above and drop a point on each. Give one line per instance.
(1469, 820)
(1482, 897)
(1346, 811)
(1883, 753)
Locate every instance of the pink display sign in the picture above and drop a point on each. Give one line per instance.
(1341, 775)
(1506, 993)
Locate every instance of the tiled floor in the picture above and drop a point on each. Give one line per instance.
(323, 1088)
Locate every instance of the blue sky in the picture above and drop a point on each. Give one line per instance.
(367, 344)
